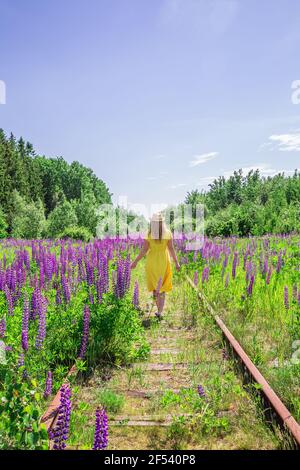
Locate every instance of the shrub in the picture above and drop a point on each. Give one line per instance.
(76, 233)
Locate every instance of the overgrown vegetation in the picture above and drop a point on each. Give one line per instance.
(250, 205)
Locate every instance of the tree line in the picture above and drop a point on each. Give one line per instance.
(250, 204)
(46, 197)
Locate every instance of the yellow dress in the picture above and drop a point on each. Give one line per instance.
(158, 263)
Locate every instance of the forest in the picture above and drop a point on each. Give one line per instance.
(46, 197)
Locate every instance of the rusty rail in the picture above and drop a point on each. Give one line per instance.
(284, 417)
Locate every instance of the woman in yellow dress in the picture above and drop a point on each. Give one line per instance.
(158, 246)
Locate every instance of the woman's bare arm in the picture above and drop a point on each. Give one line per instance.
(173, 253)
(141, 254)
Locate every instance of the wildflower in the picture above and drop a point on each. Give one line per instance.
(250, 286)
(66, 289)
(35, 299)
(201, 391)
(41, 334)
(205, 274)
(60, 433)
(2, 327)
(135, 299)
(286, 298)
(122, 277)
(21, 360)
(225, 355)
(9, 299)
(101, 430)
(85, 334)
(269, 275)
(196, 278)
(295, 291)
(48, 387)
(234, 265)
(279, 263)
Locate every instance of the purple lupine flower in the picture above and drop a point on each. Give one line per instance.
(41, 334)
(250, 286)
(9, 299)
(135, 300)
(2, 327)
(89, 273)
(25, 321)
(269, 275)
(295, 291)
(286, 298)
(60, 433)
(201, 391)
(299, 299)
(127, 272)
(196, 278)
(58, 296)
(66, 289)
(234, 264)
(122, 281)
(35, 302)
(99, 288)
(85, 333)
(225, 355)
(205, 274)
(266, 266)
(279, 263)
(21, 360)
(42, 277)
(101, 430)
(48, 387)
(224, 265)
(227, 280)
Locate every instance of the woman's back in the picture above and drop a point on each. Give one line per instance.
(159, 245)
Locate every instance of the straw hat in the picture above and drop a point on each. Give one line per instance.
(158, 217)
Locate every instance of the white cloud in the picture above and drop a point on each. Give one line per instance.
(203, 158)
(287, 142)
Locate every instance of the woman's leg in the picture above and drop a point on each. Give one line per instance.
(156, 298)
(161, 302)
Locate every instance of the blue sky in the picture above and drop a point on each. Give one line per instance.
(158, 97)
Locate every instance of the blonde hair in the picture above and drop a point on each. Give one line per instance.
(157, 227)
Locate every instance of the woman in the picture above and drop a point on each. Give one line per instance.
(158, 246)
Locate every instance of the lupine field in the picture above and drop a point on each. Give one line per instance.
(64, 303)
(254, 285)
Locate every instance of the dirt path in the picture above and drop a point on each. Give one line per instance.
(156, 405)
